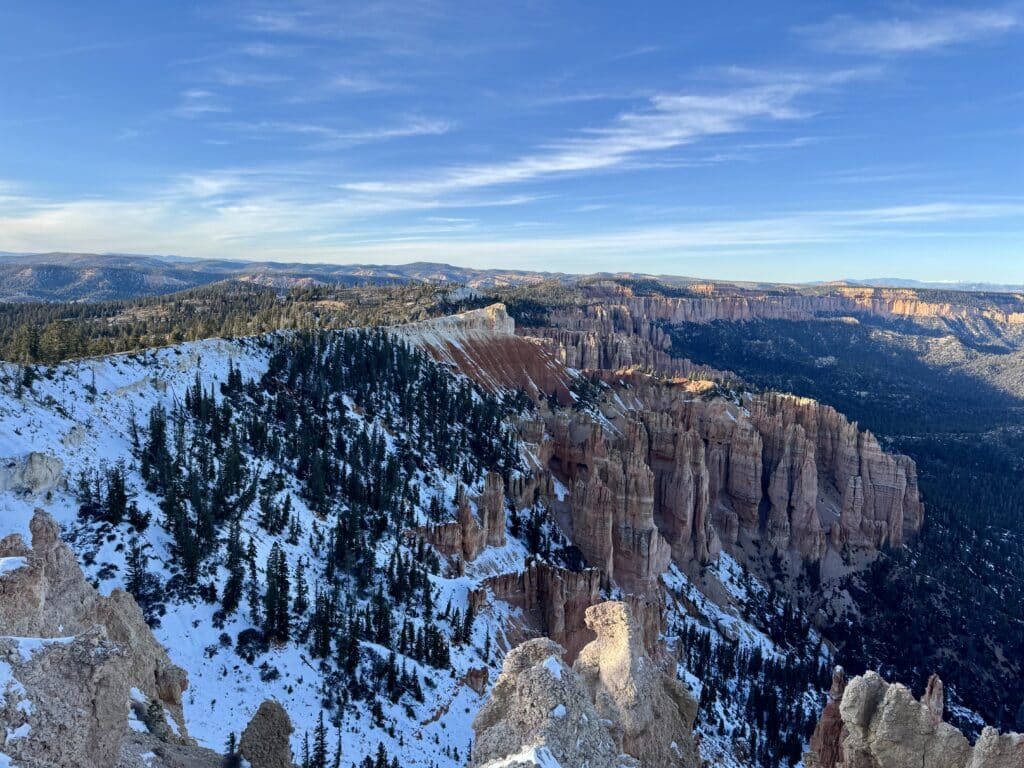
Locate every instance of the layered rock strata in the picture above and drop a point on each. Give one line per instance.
(482, 343)
(553, 600)
(700, 473)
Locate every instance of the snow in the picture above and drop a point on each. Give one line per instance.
(10, 564)
(539, 756)
(558, 711)
(30, 645)
(5, 761)
(554, 667)
(20, 732)
(61, 417)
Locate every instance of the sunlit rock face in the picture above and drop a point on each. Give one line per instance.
(869, 723)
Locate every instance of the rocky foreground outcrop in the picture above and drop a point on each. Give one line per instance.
(77, 668)
(49, 597)
(869, 723)
(265, 740)
(614, 707)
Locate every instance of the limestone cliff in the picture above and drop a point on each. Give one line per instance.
(881, 725)
(482, 344)
(469, 534)
(667, 471)
(706, 473)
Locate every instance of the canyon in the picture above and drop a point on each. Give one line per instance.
(667, 504)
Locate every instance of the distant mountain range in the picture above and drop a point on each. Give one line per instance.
(898, 282)
(104, 277)
(101, 277)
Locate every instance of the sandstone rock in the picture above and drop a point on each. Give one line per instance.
(265, 740)
(492, 509)
(50, 597)
(553, 600)
(538, 703)
(883, 726)
(143, 750)
(651, 713)
(477, 678)
(68, 708)
(482, 344)
(467, 536)
(827, 739)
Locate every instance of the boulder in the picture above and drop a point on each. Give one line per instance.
(265, 742)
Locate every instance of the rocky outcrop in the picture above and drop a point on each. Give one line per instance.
(49, 597)
(32, 475)
(553, 600)
(600, 349)
(491, 507)
(482, 344)
(65, 705)
(615, 707)
(651, 713)
(868, 498)
(265, 740)
(476, 678)
(667, 471)
(539, 708)
(731, 304)
(883, 726)
(704, 473)
(467, 536)
(827, 739)
(70, 658)
(611, 512)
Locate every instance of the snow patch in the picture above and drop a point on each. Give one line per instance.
(10, 564)
(554, 667)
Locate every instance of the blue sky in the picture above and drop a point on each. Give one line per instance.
(775, 141)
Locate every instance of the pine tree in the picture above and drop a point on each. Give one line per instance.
(232, 594)
(276, 612)
(319, 756)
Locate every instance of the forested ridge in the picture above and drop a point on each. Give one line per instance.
(48, 332)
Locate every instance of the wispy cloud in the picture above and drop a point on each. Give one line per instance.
(330, 137)
(239, 78)
(196, 102)
(358, 84)
(924, 31)
(668, 121)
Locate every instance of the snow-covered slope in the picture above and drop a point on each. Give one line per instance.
(82, 414)
(90, 415)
